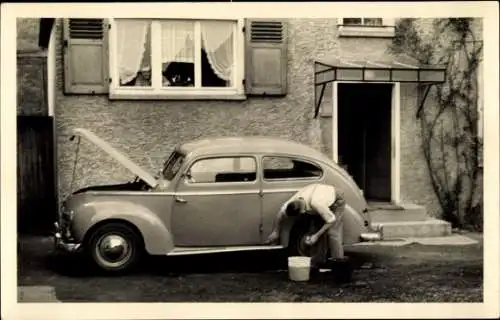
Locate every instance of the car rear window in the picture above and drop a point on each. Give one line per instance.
(278, 168)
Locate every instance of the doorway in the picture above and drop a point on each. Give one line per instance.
(364, 136)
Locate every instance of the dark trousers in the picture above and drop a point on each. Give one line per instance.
(335, 232)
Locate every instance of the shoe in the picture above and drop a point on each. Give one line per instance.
(314, 271)
(342, 270)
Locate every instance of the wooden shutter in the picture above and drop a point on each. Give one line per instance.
(85, 56)
(266, 57)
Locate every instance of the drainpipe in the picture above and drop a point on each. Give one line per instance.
(46, 40)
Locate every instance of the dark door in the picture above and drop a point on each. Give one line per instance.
(36, 188)
(378, 143)
(364, 132)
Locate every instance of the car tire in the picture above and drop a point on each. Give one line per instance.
(115, 248)
(304, 226)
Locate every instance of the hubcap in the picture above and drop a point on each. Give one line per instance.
(307, 250)
(303, 248)
(113, 250)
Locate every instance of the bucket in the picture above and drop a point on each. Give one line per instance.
(299, 268)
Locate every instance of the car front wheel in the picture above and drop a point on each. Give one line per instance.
(115, 247)
(303, 227)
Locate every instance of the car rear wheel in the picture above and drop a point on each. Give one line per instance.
(115, 247)
(303, 227)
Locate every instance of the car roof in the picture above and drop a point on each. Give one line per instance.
(250, 144)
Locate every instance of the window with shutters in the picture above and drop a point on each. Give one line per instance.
(176, 59)
(366, 27)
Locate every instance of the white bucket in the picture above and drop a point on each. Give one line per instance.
(299, 268)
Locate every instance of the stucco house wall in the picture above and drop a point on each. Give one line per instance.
(31, 70)
(415, 181)
(148, 130)
(151, 129)
(27, 34)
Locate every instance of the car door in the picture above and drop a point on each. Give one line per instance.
(217, 203)
(282, 176)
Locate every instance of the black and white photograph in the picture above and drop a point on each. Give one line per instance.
(359, 144)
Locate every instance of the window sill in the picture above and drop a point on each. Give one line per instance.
(366, 32)
(171, 96)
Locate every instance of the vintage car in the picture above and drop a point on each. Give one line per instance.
(212, 195)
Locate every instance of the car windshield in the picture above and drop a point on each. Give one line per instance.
(173, 165)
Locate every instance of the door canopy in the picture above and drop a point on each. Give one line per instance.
(400, 69)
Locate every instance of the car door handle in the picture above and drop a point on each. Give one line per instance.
(181, 200)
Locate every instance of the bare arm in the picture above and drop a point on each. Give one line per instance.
(327, 215)
(278, 219)
(274, 236)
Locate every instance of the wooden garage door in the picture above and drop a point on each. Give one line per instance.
(36, 188)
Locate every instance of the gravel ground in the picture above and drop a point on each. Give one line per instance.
(411, 273)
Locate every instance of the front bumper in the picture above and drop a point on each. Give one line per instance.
(63, 244)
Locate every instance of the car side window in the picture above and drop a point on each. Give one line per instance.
(224, 169)
(279, 168)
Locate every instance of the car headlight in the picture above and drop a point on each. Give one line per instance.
(66, 220)
(70, 214)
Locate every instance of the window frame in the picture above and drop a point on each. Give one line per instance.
(159, 92)
(386, 30)
(362, 24)
(195, 161)
(291, 158)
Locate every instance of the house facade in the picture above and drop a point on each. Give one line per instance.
(147, 85)
(36, 176)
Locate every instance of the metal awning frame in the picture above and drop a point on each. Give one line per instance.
(332, 68)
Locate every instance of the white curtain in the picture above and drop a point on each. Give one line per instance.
(177, 41)
(217, 39)
(131, 46)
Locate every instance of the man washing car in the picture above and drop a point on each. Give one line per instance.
(327, 202)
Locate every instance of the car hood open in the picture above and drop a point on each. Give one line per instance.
(118, 156)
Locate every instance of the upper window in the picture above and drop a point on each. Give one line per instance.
(362, 21)
(175, 59)
(278, 168)
(227, 169)
(366, 27)
(168, 55)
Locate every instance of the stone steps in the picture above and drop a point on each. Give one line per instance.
(407, 221)
(414, 229)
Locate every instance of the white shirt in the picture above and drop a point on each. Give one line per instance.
(318, 197)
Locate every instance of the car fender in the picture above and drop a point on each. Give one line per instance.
(157, 237)
(353, 227)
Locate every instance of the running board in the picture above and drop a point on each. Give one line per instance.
(181, 251)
